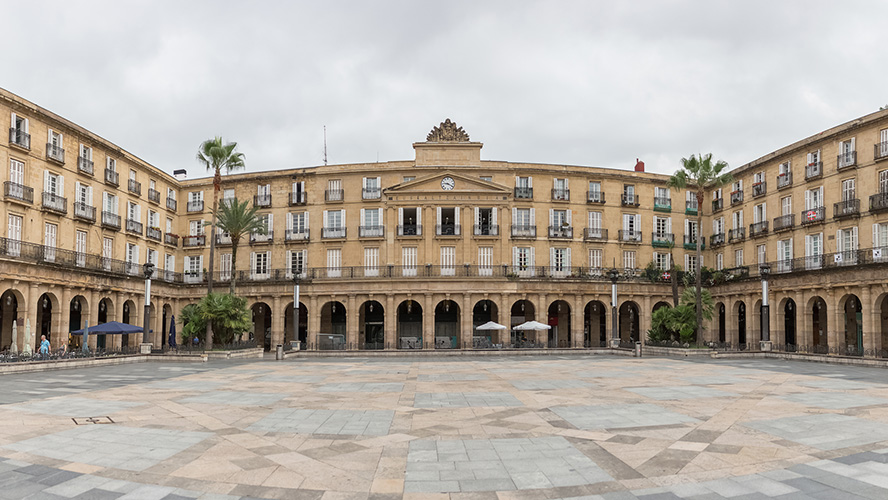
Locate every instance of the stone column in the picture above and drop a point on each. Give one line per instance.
(778, 336)
(351, 323)
(753, 321)
(644, 320)
(26, 311)
(314, 322)
(542, 315)
(732, 321)
(56, 335)
(391, 322)
(277, 322)
(576, 322)
(832, 306)
(870, 320)
(466, 323)
(428, 322)
(804, 323)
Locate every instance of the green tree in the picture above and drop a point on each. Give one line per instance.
(701, 174)
(238, 220)
(680, 322)
(217, 156)
(228, 313)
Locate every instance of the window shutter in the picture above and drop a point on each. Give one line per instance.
(290, 222)
(305, 218)
(439, 215)
(477, 215)
(637, 223)
(46, 181)
(363, 220)
(875, 236)
(456, 212)
(568, 218)
(852, 145)
(270, 227)
(567, 258)
(326, 218)
(532, 259)
(764, 211)
(89, 195)
(854, 238)
(400, 216)
(77, 191)
(514, 256)
(379, 183)
(551, 216)
(494, 218)
(533, 219)
(289, 262)
(419, 216)
(514, 212)
(566, 183)
(252, 263)
(669, 225)
(551, 257)
(807, 200)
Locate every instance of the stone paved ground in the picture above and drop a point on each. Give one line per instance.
(596, 427)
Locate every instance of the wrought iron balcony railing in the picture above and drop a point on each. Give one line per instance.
(784, 180)
(334, 195)
(486, 230)
(717, 205)
(19, 138)
(717, 240)
(333, 232)
(371, 231)
(561, 232)
(153, 195)
(111, 220)
(880, 151)
(55, 152)
(846, 208)
(297, 198)
(134, 186)
(813, 216)
(371, 193)
(662, 239)
(759, 189)
(262, 200)
(629, 200)
(172, 204)
(85, 165)
(257, 238)
(223, 239)
(55, 203)
(194, 206)
(758, 229)
(784, 222)
(194, 240)
(133, 226)
(171, 239)
(561, 195)
(627, 236)
(846, 160)
(736, 197)
(736, 234)
(813, 170)
(879, 202)
(594, 197)
(447, 229)
(662, 204)
(690, 242)
(691, 207)
(595, 234)
(524, 231)
(112, 177)
(297, 235)
(410, 230)
(84, 212)
(18, 192)
(524, 193)
(153, 233)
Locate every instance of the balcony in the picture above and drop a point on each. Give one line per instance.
(846, 160)
(55, 203)
(194, 240)
(522, 231)
(85, 165)
(879, 202)
(525, 193)
(172, 204)
(85, 212)
(409, 230)
(371, 231)
(111, 220)
(758, 229)
(223, 239)
(296, 235)
(333, 232)
(153, 195)
(717, 205)
(880, 150)
(759, 189)
(133, 226)
(486, 230)
(717, 240)
(447, 230)
(662, 204)
(784, 180)
(561, 232)
(561, 195)
(153, 233)
(736, 197)
(334, 195)
(814, 170)
(134, 186)
(55, 153)
(691, 207)
(17, 192)
(19, 138)
(594, 197)
(629, 200)
(171, 239)
(371, 193)
(297, 198)
(260, 238)
(262, 200)
(194, 206)
(690, 243)
(662, 240)
(813, 216)
(847, 208)
(594, 234)
(784, 222)
(735, 235)
(112, 177)
(629, 236)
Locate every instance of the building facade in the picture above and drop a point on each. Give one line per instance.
(417, 254)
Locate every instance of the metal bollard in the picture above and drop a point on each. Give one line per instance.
(638, 349)
(279, 353)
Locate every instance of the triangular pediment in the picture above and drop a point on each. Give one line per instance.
(435, 186)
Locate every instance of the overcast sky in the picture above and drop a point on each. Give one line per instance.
(595, 83)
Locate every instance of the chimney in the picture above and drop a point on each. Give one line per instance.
(639, 165)
(182, 174)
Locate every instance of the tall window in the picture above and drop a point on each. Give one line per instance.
(17, 176)
(738, 257)
(296, 262)
(880, 242)
(759, 213)
(50, 241)
(408, 261)
(661, 260)
(784, 255)
(662, 226)
(485, 261)
(334, 190)
(848, 191)
(523, 261)
(595, 259)
(629, 260)
(522, 217)
(107, 253)
(847, 246)
(719, 262)
(560, 261)
(371, 261)
(761, 254)
(595, 191)
(814, 251)
(225, 267)
(80, 248)
(786, 205)
(334, 262)
(448, 255)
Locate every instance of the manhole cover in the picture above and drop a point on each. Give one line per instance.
(92, 420)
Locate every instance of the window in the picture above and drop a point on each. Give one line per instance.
(559, 218)
(54, 146)
(761, 254)
(758, 178)
(784, 256)
(80, 248)
(171, 194)
(848, 191)
(560, 261)
(448, 255)
(523, 187)
(132, 259)
(107, 253)
(847, 154)
(717, 194)
(691, 262)
(334, 262)
(296, 263)
(759, 213)
(631, 227)
(195, 227)
(227, 195)
(111, 164)
(263, 195)
(814, 158)
(83, 194)
(560, 191)
(17, 177)
(737, 220)
(814, 251)
(663, 226)
(334, 224)
(151, 257)
(371, 188)
(486, 221)
(690, 232)
(718, 226)
(19, 134)
(408, 261)
(595, 259)
(169, 264)
(629, 195)
(846, 243)
(53, 183)
(297, 224)
(629, 260)
(487, 178)
(169, 225)
(883, 179)
(784, 169)
(523, 217)
(225, 267)
(880, 242)
(594, 192)
(50, 241)
(485, 261)
(719, 262)
(334, 190)
(814, 205)
(691, 200)
(408, 178)
(153, 219)
(738, 257)
(661, 260)
(370, 217)
(371, 261)
(86, 152)
(133, 211)
(786, 205)
(594, 230)
(132, 175)
(523, 261)
(193, 268)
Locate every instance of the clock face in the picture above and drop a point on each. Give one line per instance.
(447, 183)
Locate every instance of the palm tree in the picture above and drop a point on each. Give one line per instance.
(217, 156)
(700, 174)
(238, 220)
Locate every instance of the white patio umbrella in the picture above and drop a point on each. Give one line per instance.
(491, 325)
(533, 325)
(26, 350)
(13, 347)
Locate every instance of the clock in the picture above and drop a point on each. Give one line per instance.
(447, 183)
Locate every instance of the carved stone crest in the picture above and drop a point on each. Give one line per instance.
(447, 132)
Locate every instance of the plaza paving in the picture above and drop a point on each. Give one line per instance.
(534, 427)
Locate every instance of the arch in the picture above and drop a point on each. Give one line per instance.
(522, 311)
(166, 317)
(48, 314)
(722, 319)
(11, 303)
(333, 320)
(261, 314)
(486, 310)
(659, 305)
(595, 324)
(819, 329)
(371, 325)
(755, 326)
(302, 335)
(559, 320)
(77, 312)
(447, 316)
(409, 325)
(852, 320)
(788, 309)
(629, 331)
(883, 325)
(739, 310)
(128, 316)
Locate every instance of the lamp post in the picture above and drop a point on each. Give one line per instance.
(295, 307)
(614, 275)
(148, 269)
(765, 271)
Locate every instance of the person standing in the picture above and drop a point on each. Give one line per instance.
(44, 347)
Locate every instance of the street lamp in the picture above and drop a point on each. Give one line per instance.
(148, 269)
(614, 275)
(295, 305)
(765, 272)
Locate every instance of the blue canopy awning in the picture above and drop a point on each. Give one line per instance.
(111, 327)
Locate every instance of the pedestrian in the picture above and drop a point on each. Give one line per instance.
(44, 346)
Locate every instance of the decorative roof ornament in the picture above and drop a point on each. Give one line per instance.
(447, 132)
